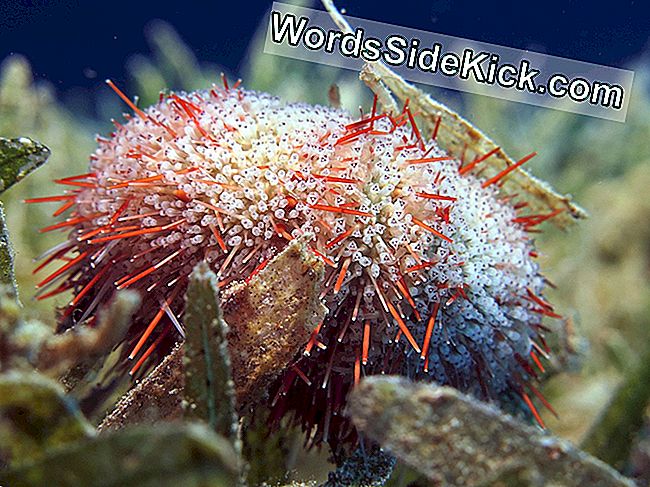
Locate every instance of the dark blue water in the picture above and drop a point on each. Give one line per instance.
(79, 43)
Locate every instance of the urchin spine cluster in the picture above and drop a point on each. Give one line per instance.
(424, 255)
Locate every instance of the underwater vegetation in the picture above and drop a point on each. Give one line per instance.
(250, 262)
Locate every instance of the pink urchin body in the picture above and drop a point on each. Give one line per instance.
(430, 272)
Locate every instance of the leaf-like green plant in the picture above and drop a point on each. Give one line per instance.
(209, 388)
(36, 415)
(610, 437)
(169, 454)
(454, 439)
(18, 157)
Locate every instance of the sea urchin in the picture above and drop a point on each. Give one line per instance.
(430, 269)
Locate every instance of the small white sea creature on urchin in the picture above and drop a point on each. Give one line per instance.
(430, 269)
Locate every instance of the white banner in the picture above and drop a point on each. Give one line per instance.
(452, 62)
